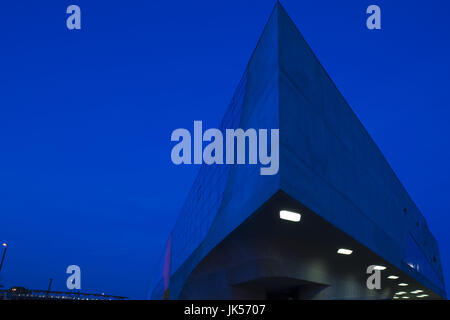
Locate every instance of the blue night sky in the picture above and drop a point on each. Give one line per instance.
(86, 117)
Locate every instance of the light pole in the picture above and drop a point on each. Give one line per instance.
(5, 246)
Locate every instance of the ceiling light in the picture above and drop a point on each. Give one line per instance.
(379, 268)
(405, 297)
(402, 284)
(290, 216)
(400, 293)
(393, 277)
(345, 251)
(416, 291)
(422, 296)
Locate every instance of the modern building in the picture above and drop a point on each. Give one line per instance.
(234, 239)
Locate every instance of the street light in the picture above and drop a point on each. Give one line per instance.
(5, 245)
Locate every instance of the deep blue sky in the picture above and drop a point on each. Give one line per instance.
(86, 118)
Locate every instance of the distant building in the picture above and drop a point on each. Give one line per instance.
(21, 293)
(231, 241)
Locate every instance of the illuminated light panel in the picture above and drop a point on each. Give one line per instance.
(290, 216)
(417, 291)
(400, 293)
(395, 298)
(405, 297)
(422, 296)
(393, 277)
(345, 251)
(379, 268)
(402, 284)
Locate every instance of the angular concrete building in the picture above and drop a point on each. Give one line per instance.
(230, 240)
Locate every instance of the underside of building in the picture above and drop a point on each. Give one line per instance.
(230, 240)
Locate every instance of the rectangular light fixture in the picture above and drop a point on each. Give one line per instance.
(393, 277)
(379, 268)
(422, 296)
(405, 297)
(402, 284)
(345, 251)
(400, 293)
(290, 216)
(417, 291)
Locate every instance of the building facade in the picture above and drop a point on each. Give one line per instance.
(229, 241)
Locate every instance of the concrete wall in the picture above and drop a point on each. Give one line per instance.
(331, 164)
(328, 162)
